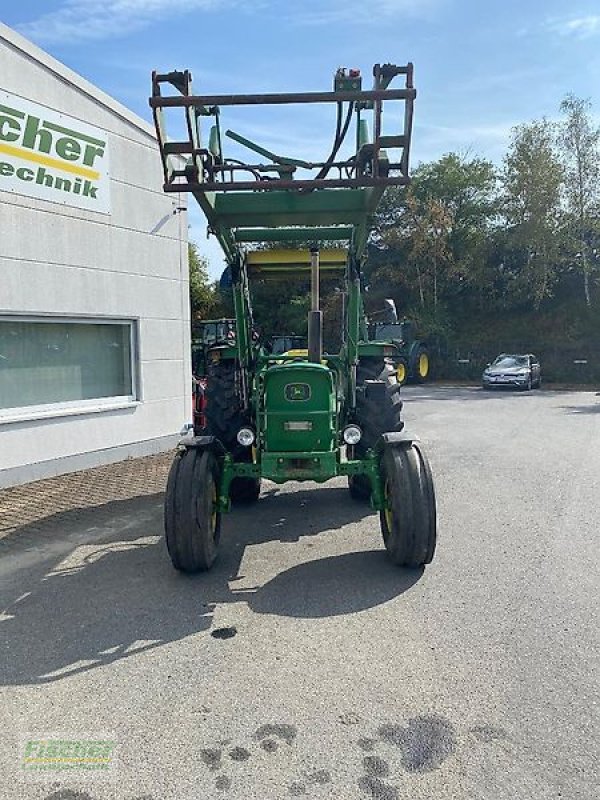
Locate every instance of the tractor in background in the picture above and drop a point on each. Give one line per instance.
(412, 365)
(212, 340)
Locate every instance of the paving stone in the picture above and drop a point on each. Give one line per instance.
(34, 505)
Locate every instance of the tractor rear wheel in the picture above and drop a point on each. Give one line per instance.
(408, 524)
(359, 487)
(378, 410)
(374, 369)
(244, 490)
(223, 410)
(192, 521)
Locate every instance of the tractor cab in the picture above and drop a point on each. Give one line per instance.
(404, 332)
(212, 339)
(288, 345)
(217, 332)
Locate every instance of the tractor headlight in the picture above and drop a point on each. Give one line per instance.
(352, 434)
(246, 437)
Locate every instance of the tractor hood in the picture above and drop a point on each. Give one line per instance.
(299, 408)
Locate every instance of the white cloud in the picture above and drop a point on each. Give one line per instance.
(80, 20)
(87, 20)
(580, 27)
(359, 13)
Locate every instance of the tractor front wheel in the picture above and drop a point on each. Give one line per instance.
(421, 365)
(402, 371)
(408, 523)
(192, 521)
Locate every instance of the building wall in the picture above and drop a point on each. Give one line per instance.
(57, 261)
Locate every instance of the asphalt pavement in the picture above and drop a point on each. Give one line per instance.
(305, 664)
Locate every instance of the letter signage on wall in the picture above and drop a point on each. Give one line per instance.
(52, 156)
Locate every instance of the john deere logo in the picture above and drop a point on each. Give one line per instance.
(297, 391)
(48, 155)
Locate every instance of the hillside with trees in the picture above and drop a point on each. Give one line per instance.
(484, 257)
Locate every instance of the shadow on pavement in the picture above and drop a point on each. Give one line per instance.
(411, 394)
(104, 598)
(591, 409)
(471, 393)
(111, 592)
(332, 586)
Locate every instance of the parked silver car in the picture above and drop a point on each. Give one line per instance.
(521, 371)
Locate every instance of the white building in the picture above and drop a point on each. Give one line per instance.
(94, 309)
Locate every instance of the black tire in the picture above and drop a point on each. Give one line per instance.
(409, 526)
(360, 487)
(244, 490)
(224, 413)
(420, 365)
(378, 410)
(374, 369)
(192, 525)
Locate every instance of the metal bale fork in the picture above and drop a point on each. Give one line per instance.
(298, 415)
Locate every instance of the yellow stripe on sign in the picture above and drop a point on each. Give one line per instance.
(48, 161)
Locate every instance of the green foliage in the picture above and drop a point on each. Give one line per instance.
(431, 242)
(472, 252)
(281, 307)
(203, 295)
(533, 180)
(580, 144)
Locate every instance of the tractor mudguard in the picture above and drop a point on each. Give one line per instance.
(397, 439)
(203, 443)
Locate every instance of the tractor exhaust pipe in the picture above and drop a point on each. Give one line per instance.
(315, 317)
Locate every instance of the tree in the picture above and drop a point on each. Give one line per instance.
(203, 297)
(435, 233)
(579, 140)
(430, 226)
(532, 179)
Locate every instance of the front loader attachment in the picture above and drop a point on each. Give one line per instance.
(227, 188)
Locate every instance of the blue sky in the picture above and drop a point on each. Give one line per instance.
(481, 67)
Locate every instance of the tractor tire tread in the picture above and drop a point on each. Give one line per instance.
(224, 414)
(191, 542)
(412, 540)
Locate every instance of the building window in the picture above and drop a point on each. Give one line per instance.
(64, 363)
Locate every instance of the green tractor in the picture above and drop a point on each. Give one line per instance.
(413, 365)
(211, 339)
(295, 415)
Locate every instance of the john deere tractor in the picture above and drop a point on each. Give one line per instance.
(211, 339)
(295, 415)
(413, 363)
